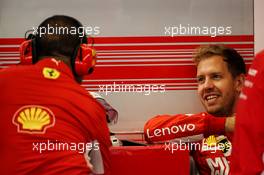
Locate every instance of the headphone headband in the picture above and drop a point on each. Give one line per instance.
(84, 57)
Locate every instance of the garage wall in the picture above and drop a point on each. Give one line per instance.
(140, 18)
(258, 25)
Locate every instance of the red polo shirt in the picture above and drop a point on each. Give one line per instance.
(248, 152)
(49, 124)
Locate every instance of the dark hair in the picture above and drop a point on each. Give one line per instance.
(55, 43)
(235, 62)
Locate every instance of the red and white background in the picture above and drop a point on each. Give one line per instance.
(133, 49)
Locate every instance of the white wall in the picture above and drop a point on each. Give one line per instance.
(258, 25)
(128, 17)
(135, 18)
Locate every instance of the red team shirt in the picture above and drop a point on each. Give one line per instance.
(211, 148)
(248, 153)
(49, 124)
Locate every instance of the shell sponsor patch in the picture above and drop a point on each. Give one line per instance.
(33, 119)
(50, 73)
(211, 141)
(214, 143)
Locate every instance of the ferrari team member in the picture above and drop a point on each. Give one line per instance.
(49, 123)
(248, 145)
(220, 76)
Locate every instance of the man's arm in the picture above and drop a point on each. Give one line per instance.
(230, 124)
(197, 126)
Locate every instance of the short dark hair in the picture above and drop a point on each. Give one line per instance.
(54, 43)
(234, 60)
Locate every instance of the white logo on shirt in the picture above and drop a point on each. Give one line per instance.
(218, 166)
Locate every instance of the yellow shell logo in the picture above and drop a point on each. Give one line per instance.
(33, 119)
(50, 73)
(211, 141)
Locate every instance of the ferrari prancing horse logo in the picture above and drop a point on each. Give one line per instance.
(50, 73)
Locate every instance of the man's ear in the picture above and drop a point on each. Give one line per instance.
(239, 82)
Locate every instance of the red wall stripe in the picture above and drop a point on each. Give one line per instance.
(168, 39)
(178, 50)
(151, 39)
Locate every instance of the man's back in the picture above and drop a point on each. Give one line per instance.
(48, 121)
(248, 152)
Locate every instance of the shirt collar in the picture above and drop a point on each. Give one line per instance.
(56, 64)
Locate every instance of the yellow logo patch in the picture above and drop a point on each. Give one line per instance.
(33, 119)
(50, 73)
(211, 141)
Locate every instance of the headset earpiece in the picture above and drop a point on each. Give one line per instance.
(85, 60)
(27, 50)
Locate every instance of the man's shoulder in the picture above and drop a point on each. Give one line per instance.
(14, 71)
(11, 68)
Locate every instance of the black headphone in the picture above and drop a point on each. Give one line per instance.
(83, 59)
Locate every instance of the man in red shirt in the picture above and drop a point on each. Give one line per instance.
(220, 76)
(248, 152)
(49, 123)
